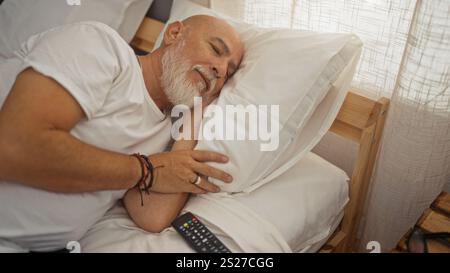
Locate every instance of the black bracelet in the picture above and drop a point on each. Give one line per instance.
(150, 169)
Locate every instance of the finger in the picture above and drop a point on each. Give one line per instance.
(207, 186)
(194, 189)
(209, 171)
(190, 184)
(209, 156)
(193, 177)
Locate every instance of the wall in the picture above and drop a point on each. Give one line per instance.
(338, 150)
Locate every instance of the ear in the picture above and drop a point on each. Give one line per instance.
(173, 32)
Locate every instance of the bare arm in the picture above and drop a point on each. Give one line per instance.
(36, 148)
(159, 209)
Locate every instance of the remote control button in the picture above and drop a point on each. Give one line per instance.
(198, 235)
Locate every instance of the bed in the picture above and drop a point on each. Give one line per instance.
(315, 207)
(315, 229)
(317, 212)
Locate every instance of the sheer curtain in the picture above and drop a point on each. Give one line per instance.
(406, 57)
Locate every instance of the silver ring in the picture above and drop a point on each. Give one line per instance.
(198, 180)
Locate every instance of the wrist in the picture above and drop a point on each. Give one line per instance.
(134, 172)
(146, 180)
(184, 145)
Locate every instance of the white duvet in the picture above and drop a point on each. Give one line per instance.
(295, 212)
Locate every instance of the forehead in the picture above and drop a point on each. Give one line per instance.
(227, 36)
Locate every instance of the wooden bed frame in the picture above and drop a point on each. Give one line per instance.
(360, 119)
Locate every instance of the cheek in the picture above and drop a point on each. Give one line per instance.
(220, 84)
(196, 52)
(194, 76)
(200, 53)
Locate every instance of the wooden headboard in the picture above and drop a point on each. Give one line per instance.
(147, 34)
(360, 119)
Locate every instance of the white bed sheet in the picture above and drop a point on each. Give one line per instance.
(297, 213)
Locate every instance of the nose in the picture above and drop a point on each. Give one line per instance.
(220, 69)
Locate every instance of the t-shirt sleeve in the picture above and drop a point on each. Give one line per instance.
(81, 57)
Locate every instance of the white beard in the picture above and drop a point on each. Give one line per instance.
(174, 78)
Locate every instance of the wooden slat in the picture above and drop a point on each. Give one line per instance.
(436, 246)
(356, 110)
(142, 45)
(401, 246)
(346, 130)
(335, 240)
(433, 221)
(147, 34)
(365, 162)
(442, 203)
(357, 190)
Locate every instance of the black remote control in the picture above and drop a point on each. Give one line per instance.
(198, 235)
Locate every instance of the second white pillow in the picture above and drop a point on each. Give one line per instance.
(20, 19)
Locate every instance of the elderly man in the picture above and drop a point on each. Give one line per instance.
(81, 106)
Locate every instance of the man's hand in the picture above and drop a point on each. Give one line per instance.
(177, 171)
(160, 209)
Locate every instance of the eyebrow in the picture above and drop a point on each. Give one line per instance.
(226, 49)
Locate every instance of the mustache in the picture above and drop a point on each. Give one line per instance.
(210, 78)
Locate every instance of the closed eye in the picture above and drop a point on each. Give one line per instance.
(216, 50)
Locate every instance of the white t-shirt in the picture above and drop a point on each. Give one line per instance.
(99, 69)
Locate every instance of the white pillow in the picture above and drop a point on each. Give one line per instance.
(304, 201)
(305, 205)
(306, 73)
(20, 19)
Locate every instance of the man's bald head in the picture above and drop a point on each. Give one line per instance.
(210, 51)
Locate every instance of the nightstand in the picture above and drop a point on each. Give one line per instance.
(434, 219)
